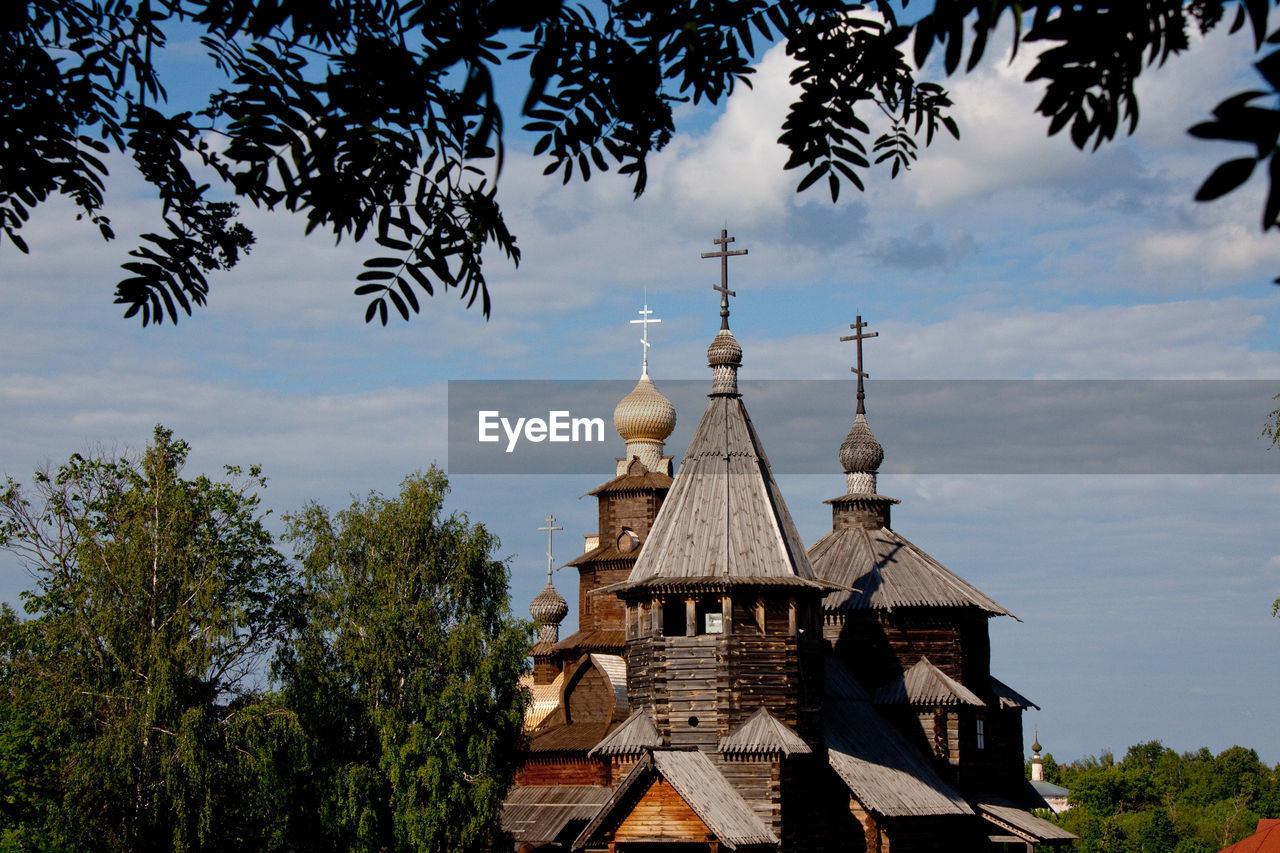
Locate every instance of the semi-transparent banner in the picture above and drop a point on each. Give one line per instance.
(926, 426)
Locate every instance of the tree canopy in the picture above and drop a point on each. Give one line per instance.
(405, 663)
(137, 709)
(1155, 800)
(379, 119)
(130, 710)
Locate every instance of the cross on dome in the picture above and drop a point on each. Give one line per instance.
(644, 322)
(551, 528)
(859, 336)
(723, 288)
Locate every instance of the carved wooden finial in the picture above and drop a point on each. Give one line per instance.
(551, 528)
(859, 335)
(723, 288)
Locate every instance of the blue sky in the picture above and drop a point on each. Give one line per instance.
(1145, 600)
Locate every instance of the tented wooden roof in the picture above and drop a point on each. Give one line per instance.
(701, 786)
(925, 684)
(885, 571)
(763, 734)
(635, 735)
(887, 774)
(724, 522)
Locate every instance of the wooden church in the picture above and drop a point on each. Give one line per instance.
(729, 689)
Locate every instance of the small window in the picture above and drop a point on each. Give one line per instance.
(982, 733)
(710, 615)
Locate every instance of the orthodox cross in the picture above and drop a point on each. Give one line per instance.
(644, 322)
(859, 335)
(724, 254)
(551, 529)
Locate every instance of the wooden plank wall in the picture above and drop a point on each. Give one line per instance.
(590, 697)
(687, 682)
(564, 771)
(879, 647)
(661, 814)
(756, 778)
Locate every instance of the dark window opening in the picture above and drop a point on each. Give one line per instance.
(674, 617)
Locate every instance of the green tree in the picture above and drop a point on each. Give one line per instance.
(404, 664)
(379, 117)
(131, 717)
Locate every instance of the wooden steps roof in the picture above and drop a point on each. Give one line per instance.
(925, 684)
(1009, 698)
(1022, 823)
(539, 814)
(763, 734)
(724, 522)
(885, 571)
(888, 775)
(700, 785)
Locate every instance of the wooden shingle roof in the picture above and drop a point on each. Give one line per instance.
(540, 813)
(925, 684)
(701, 786)
(634, 736)
(724, 522)
(629, 482)
(887, 774)
(587, 641)
(544, 698)
(885, 571)
(763, 734)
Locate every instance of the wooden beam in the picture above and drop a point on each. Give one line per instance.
(791, 617)
(690, 617)
(726, 610)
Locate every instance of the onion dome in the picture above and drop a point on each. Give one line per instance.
(860, 453)
(1035, 747)
(548, 609)
(724, 357)
(644, 414)
(644, 418)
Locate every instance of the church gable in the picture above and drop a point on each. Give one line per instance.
(677, 797)
(661, 814)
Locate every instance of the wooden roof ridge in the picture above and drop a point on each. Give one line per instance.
(885, 772)
(886, 571)
(636, 734)
(763, 734)
(703, 789)
(724, 516)
(925, 684)
(1010, 698)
